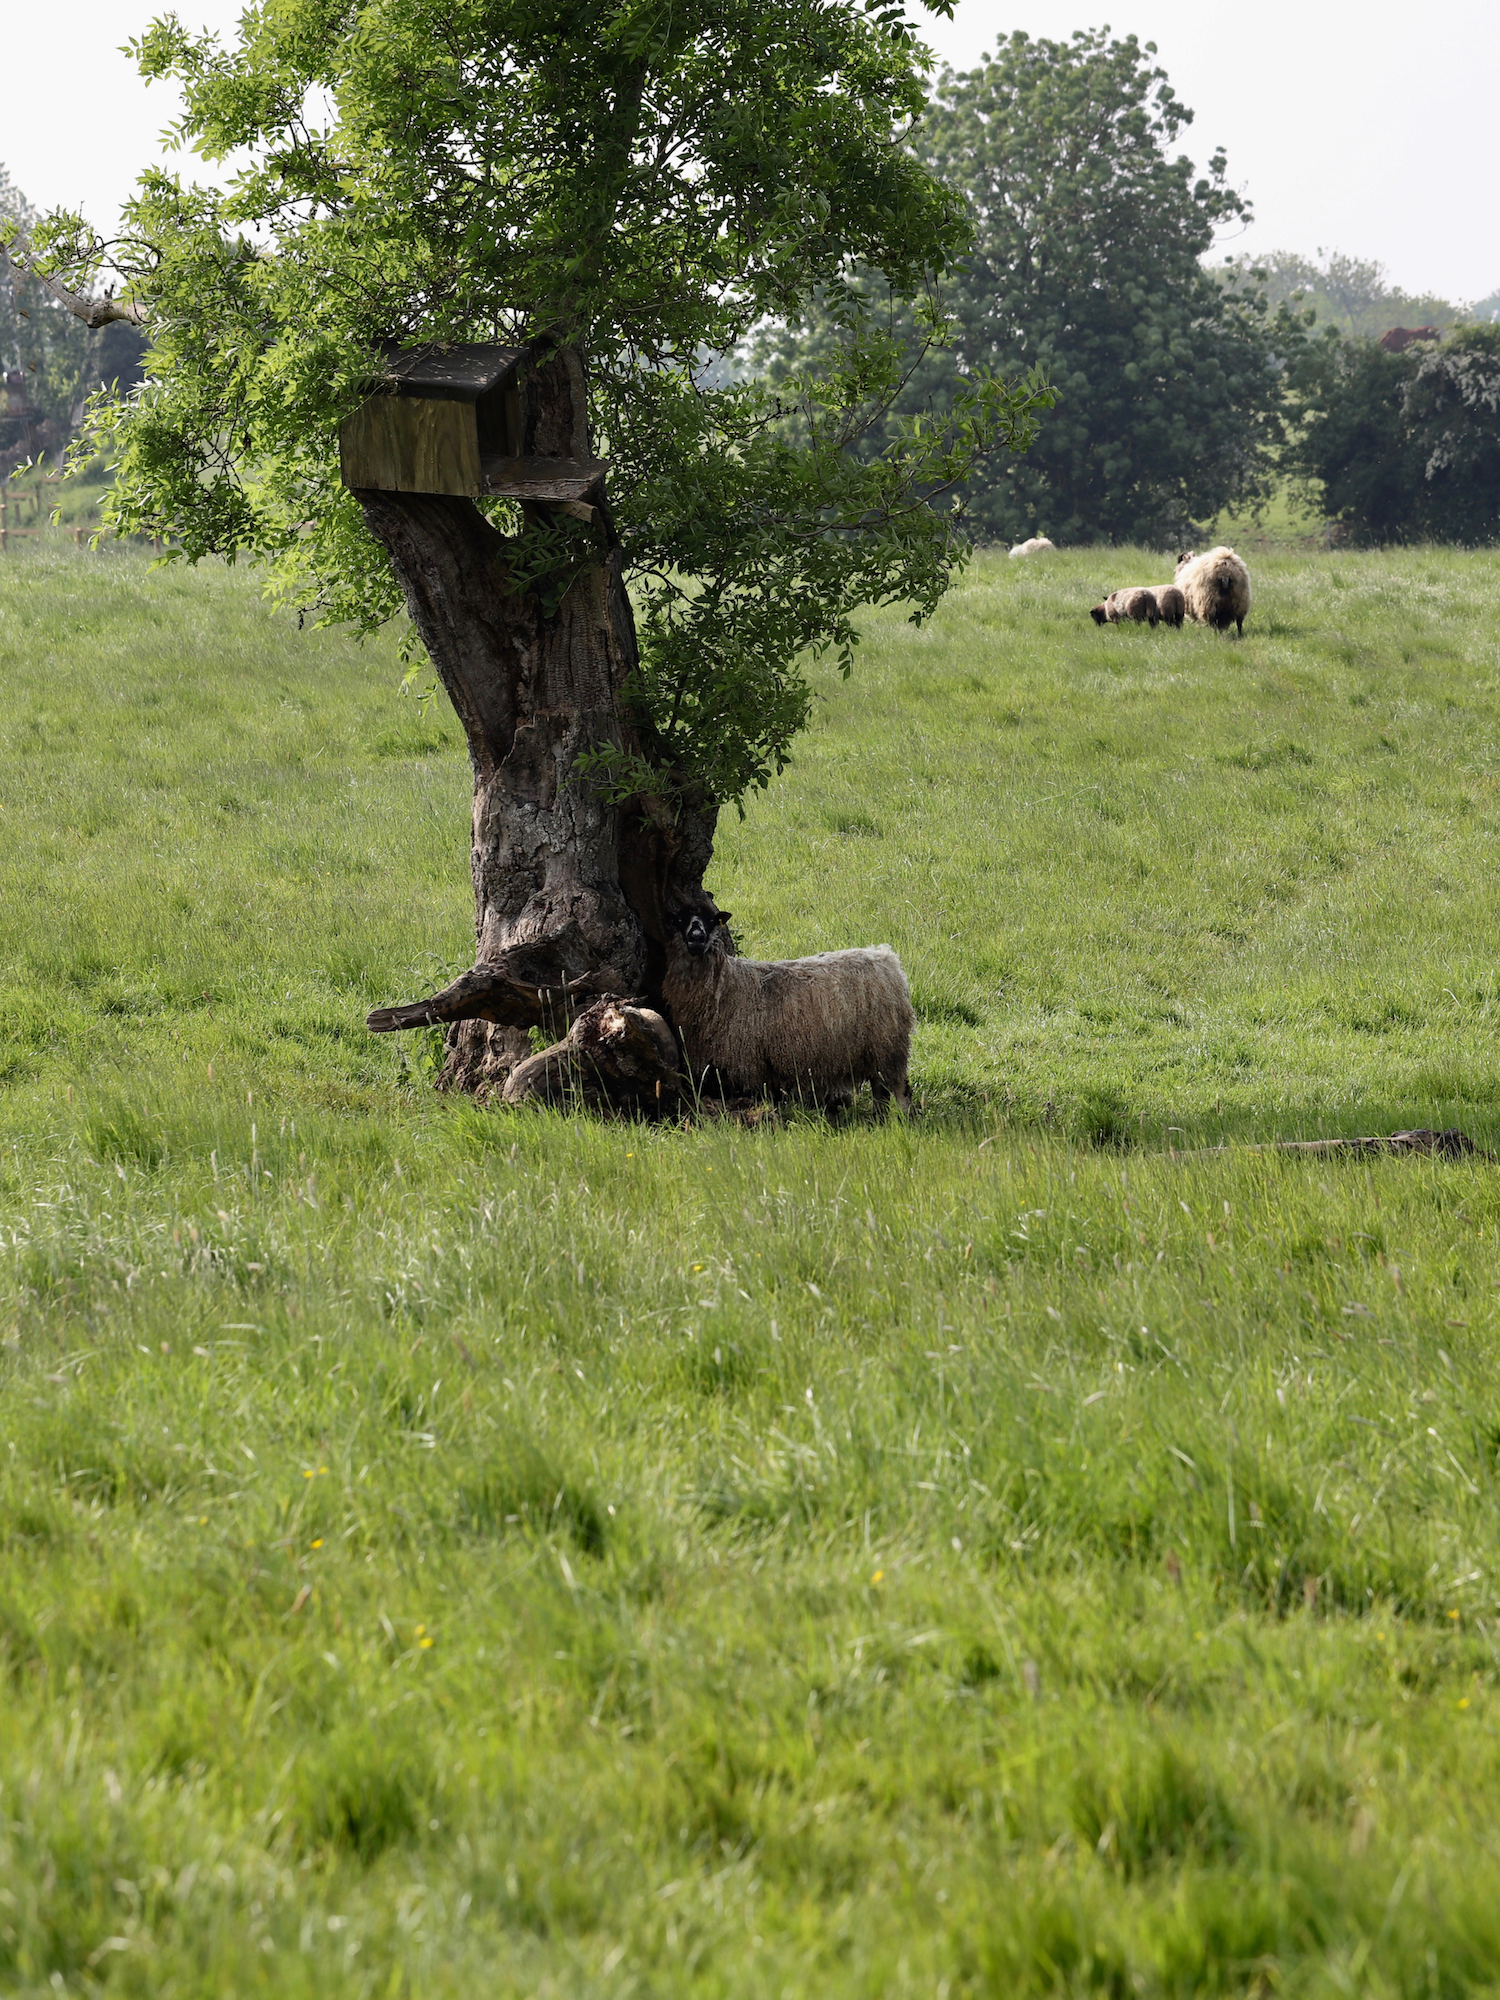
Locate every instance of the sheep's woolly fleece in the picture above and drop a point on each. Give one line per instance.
(1034, 547)
(1215, 588)
(811, 1028)
(1135, 605)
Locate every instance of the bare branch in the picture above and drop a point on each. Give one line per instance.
(93, 312)
(524, 987)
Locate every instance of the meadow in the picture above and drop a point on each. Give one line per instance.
(447, 1550)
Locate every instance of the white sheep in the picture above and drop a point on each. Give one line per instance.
(1215, 588)
(815, 1028)
(1037, 545)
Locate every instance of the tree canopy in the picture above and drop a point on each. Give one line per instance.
(1403, 447)
(1089, 230)
(642, 180)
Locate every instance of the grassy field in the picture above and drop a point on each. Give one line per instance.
(448, 1552)
(1286, 521)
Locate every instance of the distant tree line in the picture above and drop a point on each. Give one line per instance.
(1181, 390)
(1351, 294)
(1400, 447)
(1087, 261)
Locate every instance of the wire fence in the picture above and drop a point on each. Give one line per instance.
(18, 496)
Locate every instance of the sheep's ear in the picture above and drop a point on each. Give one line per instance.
(725, 915)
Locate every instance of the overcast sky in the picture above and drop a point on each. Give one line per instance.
(1365, 128)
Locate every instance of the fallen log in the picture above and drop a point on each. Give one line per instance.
(1448, 1145)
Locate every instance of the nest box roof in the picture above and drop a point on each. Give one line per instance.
(446, 371)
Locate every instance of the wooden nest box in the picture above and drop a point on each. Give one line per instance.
(446, 418)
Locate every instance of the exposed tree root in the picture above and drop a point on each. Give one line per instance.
(540, 984)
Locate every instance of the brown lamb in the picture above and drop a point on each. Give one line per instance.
(1133, 606)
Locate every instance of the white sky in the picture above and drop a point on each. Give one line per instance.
(1367, 128)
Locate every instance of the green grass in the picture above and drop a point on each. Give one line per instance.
(448, 1551)
(1286, 520)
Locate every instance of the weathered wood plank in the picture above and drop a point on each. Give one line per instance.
(405, 444)
(460, 369)
(556, 479)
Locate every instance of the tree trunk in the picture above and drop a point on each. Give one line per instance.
(583, 886)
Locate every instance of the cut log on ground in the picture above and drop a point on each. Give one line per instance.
(1449, 1145)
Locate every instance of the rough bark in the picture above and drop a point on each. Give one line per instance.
(536, 680)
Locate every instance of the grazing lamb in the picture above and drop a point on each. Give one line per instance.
(1169, 603)
(1215, 589)
(1121, 607)
(815, 1028)
(1035, 547)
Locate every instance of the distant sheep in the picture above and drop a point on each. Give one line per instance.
(1136, 606)
(1034, 547)
(1215, 589)
(815, 1028)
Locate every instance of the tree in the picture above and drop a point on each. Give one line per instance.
(1349, 293)
(1403, 447)
(1086, 263)
(49, 361)
(621, 189)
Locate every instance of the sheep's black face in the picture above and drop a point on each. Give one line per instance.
(697, 935)
(699, 931)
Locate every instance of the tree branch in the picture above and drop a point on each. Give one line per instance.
(93, 312)
(528, 986)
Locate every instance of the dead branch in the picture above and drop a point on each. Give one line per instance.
(536, 985)
(93, 312)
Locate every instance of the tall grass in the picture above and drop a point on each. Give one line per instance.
(447, 1550)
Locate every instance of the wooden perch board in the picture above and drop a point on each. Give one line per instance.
(557, 479)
